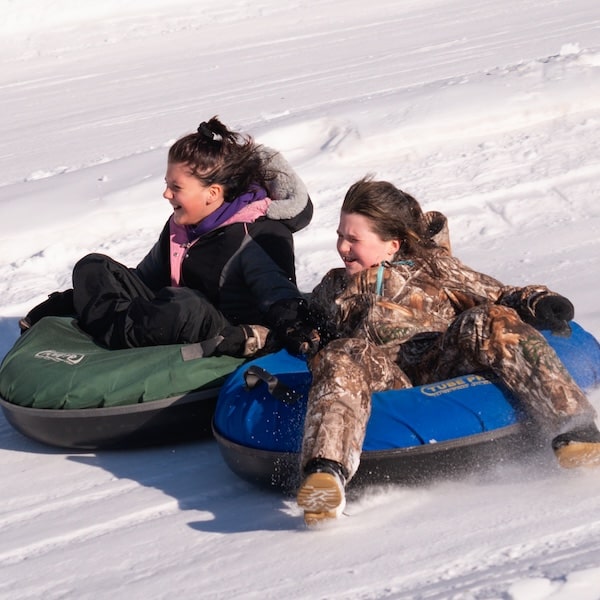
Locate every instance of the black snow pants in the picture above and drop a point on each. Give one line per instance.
(115, 306)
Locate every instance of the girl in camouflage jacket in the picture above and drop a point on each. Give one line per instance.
(405, 312)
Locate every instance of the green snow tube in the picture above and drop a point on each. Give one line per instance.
(59, 387)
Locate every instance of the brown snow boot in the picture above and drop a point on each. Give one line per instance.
(578, 448)
(322, 494)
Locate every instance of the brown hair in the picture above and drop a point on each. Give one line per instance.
(394, 214)
(214, 154)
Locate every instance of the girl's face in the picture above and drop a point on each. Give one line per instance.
(359, 246)
(191, 200)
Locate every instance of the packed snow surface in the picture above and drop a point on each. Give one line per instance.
(487, 111)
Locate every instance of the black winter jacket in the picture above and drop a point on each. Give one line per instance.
(241, 268)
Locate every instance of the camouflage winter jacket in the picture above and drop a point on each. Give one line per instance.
(391, 303)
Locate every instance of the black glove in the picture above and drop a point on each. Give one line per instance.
(292, 325)
(553, 312)
(244, 341)
(301, 339)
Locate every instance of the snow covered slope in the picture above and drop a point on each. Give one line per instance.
(486, 111)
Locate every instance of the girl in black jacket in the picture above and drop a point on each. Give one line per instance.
(224, 259)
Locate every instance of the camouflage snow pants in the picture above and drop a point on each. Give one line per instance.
(485, 338)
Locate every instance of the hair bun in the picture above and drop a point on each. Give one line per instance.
(206, 132)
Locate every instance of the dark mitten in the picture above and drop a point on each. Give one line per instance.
(244, 341)
(301, 339)
(290, 320)
(553, 312)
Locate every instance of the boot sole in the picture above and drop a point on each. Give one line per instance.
(322, 498)
(578, 454)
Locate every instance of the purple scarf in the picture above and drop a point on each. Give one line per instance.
(225, 212)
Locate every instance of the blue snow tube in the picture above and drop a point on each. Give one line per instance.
(412, 433)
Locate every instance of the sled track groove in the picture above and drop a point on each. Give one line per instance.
(81, 534)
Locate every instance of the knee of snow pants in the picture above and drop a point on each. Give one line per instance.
(102, 292)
